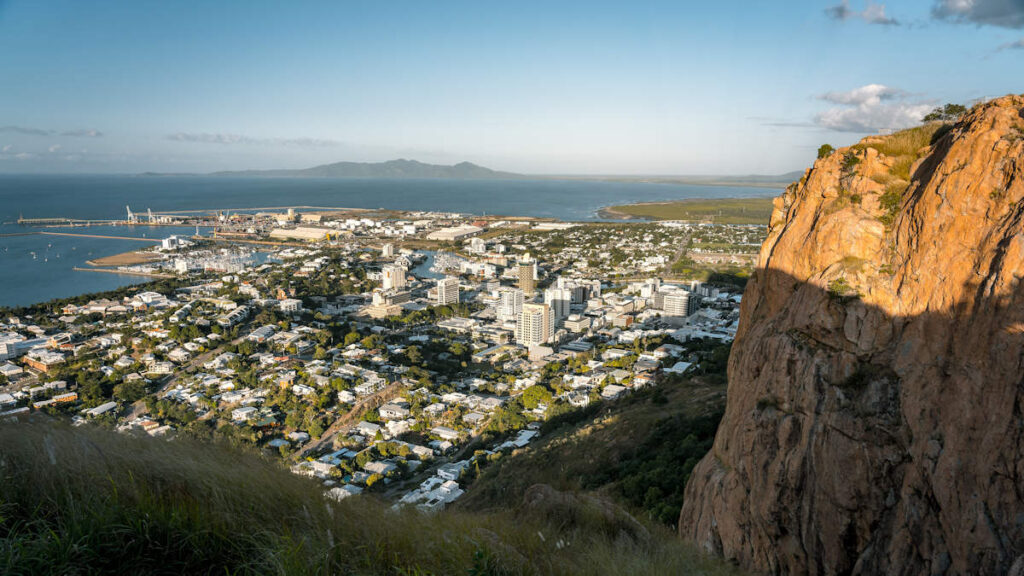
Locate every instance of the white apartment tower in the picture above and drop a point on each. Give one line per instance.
(559, 299)
(535, 325)
(677, 304)
(393, 277)
(510, 303)
(448, 291)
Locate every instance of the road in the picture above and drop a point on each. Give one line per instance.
(345, 422)
(139, 408)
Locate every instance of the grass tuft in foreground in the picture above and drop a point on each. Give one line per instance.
(86, 500)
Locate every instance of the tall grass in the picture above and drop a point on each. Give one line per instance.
(904, 148)
(85, 500)
(906, 142)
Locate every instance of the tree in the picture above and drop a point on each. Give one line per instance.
(373, 479)
(414, 355)
(535, 395)
(316, 428)
(825, 150)
(947, 113)
(130, 391)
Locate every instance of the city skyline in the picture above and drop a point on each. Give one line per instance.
(578, 88)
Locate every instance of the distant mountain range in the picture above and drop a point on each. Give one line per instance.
(390, 169)
(402, 168)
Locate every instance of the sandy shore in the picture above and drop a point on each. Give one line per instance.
(125, 259)
(610, 213)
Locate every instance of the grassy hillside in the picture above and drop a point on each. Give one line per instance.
(638, 451)
(719, 211)
(86, 500)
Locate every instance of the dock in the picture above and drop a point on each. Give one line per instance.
(135, 238)
(62, 222)
(126, 272)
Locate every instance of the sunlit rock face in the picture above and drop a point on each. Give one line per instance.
(874, 419)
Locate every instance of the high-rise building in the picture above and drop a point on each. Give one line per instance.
(582, 290)
(393, 277)
(477, 245)
(677, 304)
(527, 275)
(510, 303)
(387, 251)
(535, 325)
(559, 299)
(448, 291)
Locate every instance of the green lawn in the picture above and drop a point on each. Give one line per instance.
(720, 211)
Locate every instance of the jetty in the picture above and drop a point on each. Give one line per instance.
(125, 272)
(62, 222)
(137, 239)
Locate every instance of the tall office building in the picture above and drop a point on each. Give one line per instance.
(527, 274)
(677, 304)
(448, 291)
(582, 290)
(510, 303)
(535, 325)
(559, 299)
(393, 277)
(387, 251)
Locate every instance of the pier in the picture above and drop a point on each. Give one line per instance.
(137, 239)
(62, 222)
(126, 272)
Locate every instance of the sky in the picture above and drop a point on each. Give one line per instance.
(673, 87)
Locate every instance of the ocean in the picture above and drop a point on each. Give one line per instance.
(26, 278)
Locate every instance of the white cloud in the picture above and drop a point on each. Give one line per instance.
(54, 148)
(872, 13)
(29, 131)
(26, 131)
(206, 138)
(7, 149)
(82, 133)
(1001, 13)
(1016, 45)
(870, 108)
(870, 94)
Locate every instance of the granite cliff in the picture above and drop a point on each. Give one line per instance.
(874, 418)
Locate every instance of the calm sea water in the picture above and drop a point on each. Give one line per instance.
(25, 279)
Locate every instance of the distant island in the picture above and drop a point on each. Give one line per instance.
(400, 168)
(414, 169)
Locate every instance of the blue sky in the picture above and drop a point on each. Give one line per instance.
(540, 87)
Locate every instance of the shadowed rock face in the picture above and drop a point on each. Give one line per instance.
(874, 420)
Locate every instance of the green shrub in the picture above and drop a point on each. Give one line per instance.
(825, 150)
(947, 113)
(891, 201)
(841, 288)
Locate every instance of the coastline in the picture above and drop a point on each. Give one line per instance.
(752, 210)
(125, 259)
(124, 273)
(611, 213)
